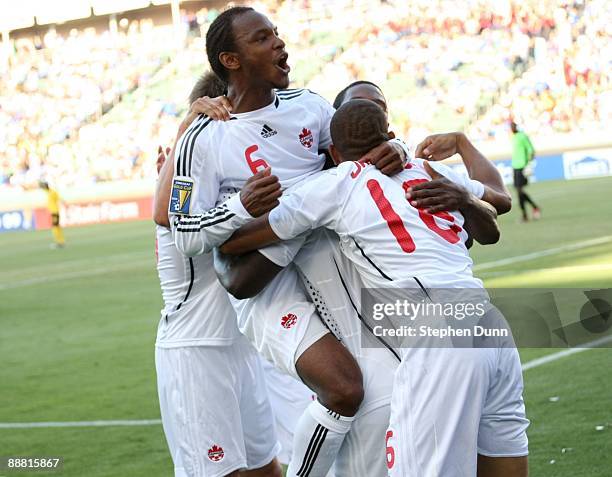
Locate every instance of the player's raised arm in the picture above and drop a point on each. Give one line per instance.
(442, 146)
(448, 191)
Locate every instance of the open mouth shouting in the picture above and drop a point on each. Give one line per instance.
(282, 64)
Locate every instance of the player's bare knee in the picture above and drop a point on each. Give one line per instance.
(274, 469)
(331, 371)
(345, 396)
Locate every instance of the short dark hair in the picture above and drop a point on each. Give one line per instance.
(220, 38)
(357, 127)
(342, 94)
(209, 84)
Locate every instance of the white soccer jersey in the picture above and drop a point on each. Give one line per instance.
(196, 310)
(285, 135)
(388, 239)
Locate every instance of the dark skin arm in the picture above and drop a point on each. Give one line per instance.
(445, 195)
(245, 276)
(482, 225)
(442, 146)
(251, 236)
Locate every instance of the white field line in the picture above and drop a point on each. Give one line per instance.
(596, 267)
(534, 363)
(543, 253)
(129, 423)
(155, 422)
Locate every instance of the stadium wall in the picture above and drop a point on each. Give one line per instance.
(570, 165)
(75, 214)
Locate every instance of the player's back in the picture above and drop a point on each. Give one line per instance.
(196, 309)
(397, 240)
(388, 239)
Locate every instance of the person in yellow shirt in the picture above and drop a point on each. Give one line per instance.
(53, 204)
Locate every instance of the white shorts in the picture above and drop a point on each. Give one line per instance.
(215, 409)
(281, 322)
(335, 287)
(449, 405)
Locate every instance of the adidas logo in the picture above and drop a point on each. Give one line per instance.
(267, 131)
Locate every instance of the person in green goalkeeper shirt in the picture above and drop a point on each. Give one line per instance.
(522, 153)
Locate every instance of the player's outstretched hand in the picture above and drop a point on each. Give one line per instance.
(218, 108)
(261, 192)
(437, 195)
(161, 157)
(389, 158)
(439, 146)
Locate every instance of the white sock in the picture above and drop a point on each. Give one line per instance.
(317, 439)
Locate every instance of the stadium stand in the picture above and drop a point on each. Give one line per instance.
(90, 106)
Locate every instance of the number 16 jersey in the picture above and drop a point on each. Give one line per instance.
(388, 239)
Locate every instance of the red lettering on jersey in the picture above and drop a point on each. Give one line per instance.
(390, 450)
(360, 165)
(394, 221)
(254, 163)
(450, 234)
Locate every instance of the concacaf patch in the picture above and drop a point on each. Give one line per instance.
(180, 199)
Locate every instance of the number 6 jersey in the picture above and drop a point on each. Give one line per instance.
(285, 135)
(215, 156)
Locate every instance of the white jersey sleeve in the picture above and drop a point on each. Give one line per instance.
(311, 205)
(200, 233)
(475, 187)
(197, 226)
(283, 253)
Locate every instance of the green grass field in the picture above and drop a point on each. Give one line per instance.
(78, 327)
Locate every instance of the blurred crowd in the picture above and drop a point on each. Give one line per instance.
(56, 85)
(569, 87)
(92, 106)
